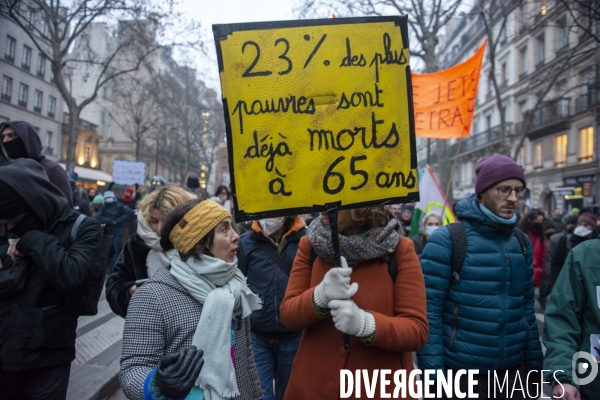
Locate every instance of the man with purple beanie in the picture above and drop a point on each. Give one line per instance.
(485, 319)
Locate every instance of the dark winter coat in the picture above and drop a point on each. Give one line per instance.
(486, 321)
(81, 205)
(33, 145)
(130, 266)
(113, 215)
(38, 326)
(265, 277)
(419, 241)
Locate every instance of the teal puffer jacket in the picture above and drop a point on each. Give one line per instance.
(486, 321)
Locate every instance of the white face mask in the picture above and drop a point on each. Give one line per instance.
(581, 231)
(271, 225)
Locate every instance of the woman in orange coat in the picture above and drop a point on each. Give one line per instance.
(384, 316)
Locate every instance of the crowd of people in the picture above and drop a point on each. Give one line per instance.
(214, 314)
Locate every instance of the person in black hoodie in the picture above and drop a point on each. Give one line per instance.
(18, 139)
(142, 254)
(38, 313)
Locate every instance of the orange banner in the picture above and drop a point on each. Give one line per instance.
(444, 101)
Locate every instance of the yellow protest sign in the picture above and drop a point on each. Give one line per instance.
(317, 112)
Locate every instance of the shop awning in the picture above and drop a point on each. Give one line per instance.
(90, 175)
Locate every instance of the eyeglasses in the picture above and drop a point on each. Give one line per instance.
(505, 191)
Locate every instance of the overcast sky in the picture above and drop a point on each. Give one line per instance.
(229, 11)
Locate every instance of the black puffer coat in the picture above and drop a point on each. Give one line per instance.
(130, 266)
(38, 326)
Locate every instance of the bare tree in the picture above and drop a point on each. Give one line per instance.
(137, 101)
(63, 39)
(585, 15)
(426, 19)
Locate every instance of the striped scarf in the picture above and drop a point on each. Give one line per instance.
(369, 245)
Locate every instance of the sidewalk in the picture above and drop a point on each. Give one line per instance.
(95, 370)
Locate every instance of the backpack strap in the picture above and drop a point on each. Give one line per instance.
(272, 252)
(522, 241)
(458, 235)
(392, 263)
(75, 227)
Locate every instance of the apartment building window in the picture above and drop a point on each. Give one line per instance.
(49, 138)
(560, 150)
(523, 63)
(51, 106)
(41, 68)
(26, 58)
(503, 35)
(6, 88)
(563, 101)
(587, 144)
(9, 52)
(37, 101)
(503, 75)
(539, 160)
(23, 94)
(540, 54)
(562, 36)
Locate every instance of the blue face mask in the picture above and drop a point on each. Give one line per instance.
(496, 218)
(430, 229)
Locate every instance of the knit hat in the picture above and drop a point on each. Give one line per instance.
(409, 207)
(11, 204)
(193, 182)
(196, 224)
(73, 177)
(99, 199)
(109, 197)
(494, 169)
(588, 217)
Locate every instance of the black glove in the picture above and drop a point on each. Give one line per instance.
(177, 372)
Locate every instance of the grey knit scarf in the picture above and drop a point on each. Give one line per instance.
(369, 245)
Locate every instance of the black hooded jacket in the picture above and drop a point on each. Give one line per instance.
(33, 147)
(38, 325)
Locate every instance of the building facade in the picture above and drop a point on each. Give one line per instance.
(546, 71)
(28, 92)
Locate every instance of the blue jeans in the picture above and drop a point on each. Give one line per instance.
(116, 242)
(274, 359)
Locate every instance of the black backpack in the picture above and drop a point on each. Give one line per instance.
(392, 263)
(458, 235)
(93, 287)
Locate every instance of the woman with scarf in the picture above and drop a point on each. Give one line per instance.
(431, 222)
(142, 255)
(187, 331)
(373, 323)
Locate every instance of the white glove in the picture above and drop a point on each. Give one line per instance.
(335, 285)
(350, 319)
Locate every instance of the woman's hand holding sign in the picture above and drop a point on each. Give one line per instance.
(335, 285)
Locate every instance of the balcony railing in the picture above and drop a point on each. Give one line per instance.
(48, 150)
(540, 64)
(23, 103)
(586, 102)
(503, 85)
(480, 139)
(50, 114)
(5, 97)
(25, 66)
(37, 109)
(9, 58)
(522, 75)
(562, 50)
(40, 74)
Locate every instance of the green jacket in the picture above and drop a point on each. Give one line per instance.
(573, 316)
